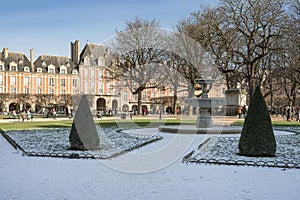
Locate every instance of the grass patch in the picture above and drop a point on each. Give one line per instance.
(123, 124)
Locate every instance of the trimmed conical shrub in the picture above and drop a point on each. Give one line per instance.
(257, 137)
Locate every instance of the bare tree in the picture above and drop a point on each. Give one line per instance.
(136, 62)
(240, 34)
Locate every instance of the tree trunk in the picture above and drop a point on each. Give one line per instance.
(139, 106)
(174, 102)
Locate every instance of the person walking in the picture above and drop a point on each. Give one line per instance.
(239, 111)
(24, 115)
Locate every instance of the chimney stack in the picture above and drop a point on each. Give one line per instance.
(5, 52)
(75, 52)
(32, 59)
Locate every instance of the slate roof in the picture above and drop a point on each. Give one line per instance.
(15, 57)
(57, 61)
(94, 51)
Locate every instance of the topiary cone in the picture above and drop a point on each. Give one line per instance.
(257, 137)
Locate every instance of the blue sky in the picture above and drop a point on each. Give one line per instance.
(48, 26)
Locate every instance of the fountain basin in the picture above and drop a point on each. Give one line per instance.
(191, 129)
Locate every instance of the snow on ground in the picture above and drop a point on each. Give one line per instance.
(154, 171)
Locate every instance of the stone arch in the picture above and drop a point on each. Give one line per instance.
(1, 106)
(125, 108)
(169, 110)
(39, 107)
(101, 104)
(134, 109)
(14, 106)
(27, 106)
(145, 109)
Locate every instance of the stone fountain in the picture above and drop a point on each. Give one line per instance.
(205, 104)
(204, 122)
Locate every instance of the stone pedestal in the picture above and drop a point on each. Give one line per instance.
(204, 104)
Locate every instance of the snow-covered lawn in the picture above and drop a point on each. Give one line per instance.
(154, 171)
(55, 142)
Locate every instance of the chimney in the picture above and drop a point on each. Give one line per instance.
(32, 59)
(75, 52)
(5, 52)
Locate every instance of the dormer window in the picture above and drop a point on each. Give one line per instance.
(51, 69)
(26, 69)
(63, 70)
(39, 70)
(20, 61)
(13, 68)
(1, 67)
(74, 71)
(101, 62)
(86, 61)
(43, 63)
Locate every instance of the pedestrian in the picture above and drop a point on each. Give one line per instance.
(24, 115)
(288, 113)
(244, 111)
(239, 111)
(28, 115)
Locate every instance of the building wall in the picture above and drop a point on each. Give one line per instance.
(21, 87)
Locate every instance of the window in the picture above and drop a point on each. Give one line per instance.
(100, 87)
(26, 91)
(125, 97)
(74, 71)
(86, 73)
(63, 82)
(1, 90)
(13, 90)
(74, 83)
(63, 91)
(51, 81)
(93, 88)
(26, 81)
(13, 80)
(62, 71)
(1, 68)
(51, 70)
(13, 68)
(86, 61)
(51, 91)
(26, 69)
(101, 62)
(108, 88)
(74, 91)
(39, 91)
(144, 96)
(86, 87)
(100, 73)
(1, 79)
(93, 73)
(39, 81)
(39, 70)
